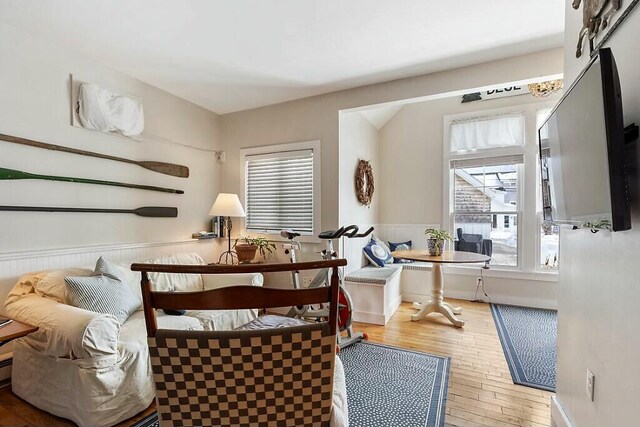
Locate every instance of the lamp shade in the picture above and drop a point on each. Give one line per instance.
(227, 205)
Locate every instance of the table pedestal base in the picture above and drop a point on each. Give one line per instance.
(437, 304)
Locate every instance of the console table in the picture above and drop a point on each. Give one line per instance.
(437, 305)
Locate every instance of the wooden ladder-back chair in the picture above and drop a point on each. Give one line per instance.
(281, 376)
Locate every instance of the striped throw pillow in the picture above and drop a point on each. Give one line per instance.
(103, 292)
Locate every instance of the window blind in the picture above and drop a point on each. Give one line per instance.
(487, 132)
(279, 191)
(515, 159)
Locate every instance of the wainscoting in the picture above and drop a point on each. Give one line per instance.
(14, 265)
(516, 288)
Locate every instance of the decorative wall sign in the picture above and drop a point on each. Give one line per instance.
(147, 211)
(594, 19)
(364, 183)
(10, 174)
(160, 167)
(495, 93)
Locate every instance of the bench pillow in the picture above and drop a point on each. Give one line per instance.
(377, 254)
(401, 246)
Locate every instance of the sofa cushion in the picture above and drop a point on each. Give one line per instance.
(221, 320)
(51, 284)
(103, 292)
(180, 282)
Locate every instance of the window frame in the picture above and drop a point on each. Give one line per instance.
(315, 147)
(528, 251)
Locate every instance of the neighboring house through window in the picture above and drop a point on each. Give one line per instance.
(281, 186)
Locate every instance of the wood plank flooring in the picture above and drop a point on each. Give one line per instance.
(481, 392)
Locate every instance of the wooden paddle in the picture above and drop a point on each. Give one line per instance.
(160, 167)
(14, 174)
(148, 211)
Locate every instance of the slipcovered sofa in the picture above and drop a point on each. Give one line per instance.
(84, 365)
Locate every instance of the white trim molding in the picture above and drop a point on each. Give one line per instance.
(558, 416)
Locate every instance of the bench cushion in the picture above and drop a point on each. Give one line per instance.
(374, 275)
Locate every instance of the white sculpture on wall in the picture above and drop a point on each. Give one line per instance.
(106, 111)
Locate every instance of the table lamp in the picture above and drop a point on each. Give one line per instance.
(226, 206)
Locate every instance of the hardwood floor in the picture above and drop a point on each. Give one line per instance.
(481, 392)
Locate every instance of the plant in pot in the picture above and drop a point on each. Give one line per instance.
(435, 240)
(247, 249)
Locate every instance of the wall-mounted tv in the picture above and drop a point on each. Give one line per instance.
(582, 151)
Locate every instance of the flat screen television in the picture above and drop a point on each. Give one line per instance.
(582, 151)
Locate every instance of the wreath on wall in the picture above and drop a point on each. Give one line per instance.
(364, 182)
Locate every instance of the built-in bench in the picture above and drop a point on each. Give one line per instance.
(377, 291)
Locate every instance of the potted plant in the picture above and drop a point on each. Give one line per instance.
(435, 240)
(247, 249)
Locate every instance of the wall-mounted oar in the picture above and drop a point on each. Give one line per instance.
(14, 174)
(160, 167)
(148, 211)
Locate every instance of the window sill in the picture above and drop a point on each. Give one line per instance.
(540, 276)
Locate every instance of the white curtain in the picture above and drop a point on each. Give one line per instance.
(487, 132)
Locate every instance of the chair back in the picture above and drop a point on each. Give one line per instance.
(281, 376)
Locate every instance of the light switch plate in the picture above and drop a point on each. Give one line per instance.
(590, 384)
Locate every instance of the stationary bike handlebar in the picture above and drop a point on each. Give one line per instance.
(349, 231)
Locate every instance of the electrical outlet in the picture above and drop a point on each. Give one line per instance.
(306, 281)
(590, 384)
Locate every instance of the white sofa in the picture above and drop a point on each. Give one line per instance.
(83, 365)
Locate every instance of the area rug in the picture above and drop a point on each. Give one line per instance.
(529, 340)
(388, 386)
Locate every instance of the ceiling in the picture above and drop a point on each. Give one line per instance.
(234, 55)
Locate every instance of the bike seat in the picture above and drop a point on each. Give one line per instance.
(289, 234)
(331, 234)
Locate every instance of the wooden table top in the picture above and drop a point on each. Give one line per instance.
(15, 329)
(447, 257)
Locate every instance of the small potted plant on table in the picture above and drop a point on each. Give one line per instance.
(435, 240)
(247, 249)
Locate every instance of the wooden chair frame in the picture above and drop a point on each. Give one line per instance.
(237, 297)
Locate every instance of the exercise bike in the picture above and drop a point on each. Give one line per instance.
(322, 278)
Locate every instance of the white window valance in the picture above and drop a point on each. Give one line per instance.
(487, 132)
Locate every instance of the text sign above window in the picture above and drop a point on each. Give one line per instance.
(487, 132)
(279, 191)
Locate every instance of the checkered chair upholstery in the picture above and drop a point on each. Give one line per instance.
(279, 376)
(266, 377)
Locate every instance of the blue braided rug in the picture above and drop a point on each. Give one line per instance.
(388, 386)
(529, 340)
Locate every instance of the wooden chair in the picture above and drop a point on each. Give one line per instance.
(271, 377)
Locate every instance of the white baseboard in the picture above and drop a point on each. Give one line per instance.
(469, 296)
(373, 318)
(558, 416)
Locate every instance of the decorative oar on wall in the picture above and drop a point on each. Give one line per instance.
(9, 174)
(147, 211)
(160, 167)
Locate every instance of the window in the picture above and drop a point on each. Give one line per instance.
(486, 194)
(281, 188)
(493, 185)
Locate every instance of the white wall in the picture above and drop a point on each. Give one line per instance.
(598, 316)
(35, 104)
(318, 117)
(359, 140)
